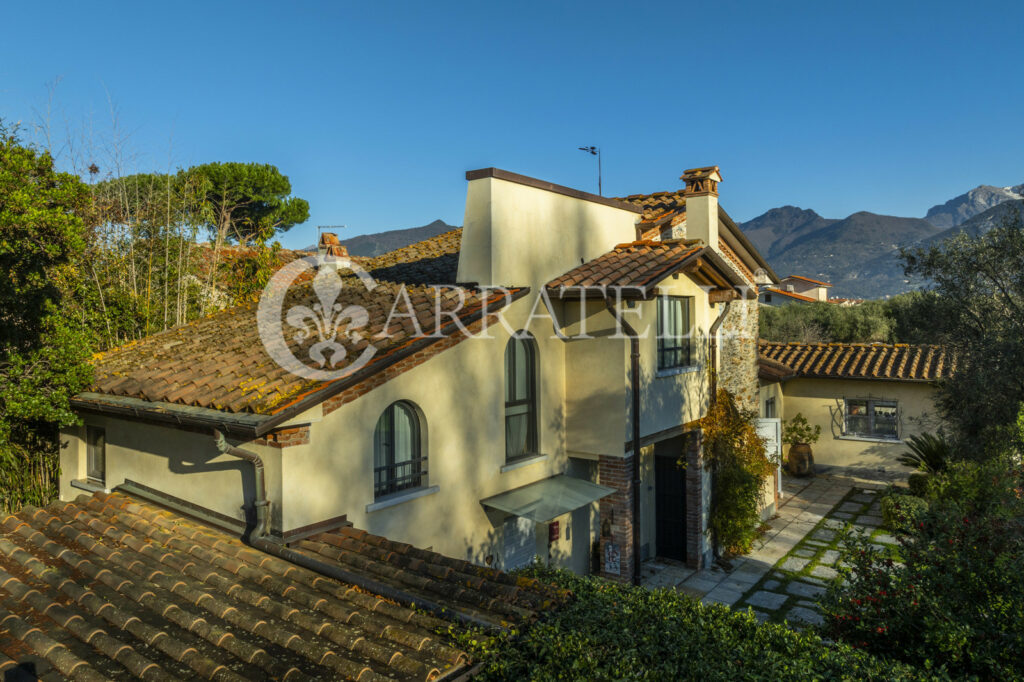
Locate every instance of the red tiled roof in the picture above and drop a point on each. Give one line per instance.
(808, 279)
(112, 587)
(219, 362)
(636, 266)
(431, 261)
(880, 361)
(791, 294)
(659, 208)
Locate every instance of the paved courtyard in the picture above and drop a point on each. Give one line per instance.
(792, 563)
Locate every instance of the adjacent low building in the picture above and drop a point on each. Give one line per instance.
(867, 398)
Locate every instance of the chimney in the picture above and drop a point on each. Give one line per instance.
(701, 195)
(330, 246)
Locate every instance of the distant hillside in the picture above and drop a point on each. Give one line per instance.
(859, 254)
(774, 231)
(371, 245)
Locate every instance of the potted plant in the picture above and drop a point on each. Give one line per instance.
(799, 434)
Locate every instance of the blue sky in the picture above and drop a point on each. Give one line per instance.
(375, 110)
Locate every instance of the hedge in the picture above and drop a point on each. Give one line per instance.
(609, 631)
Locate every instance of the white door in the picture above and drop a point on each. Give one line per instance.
(520, 542)
(771, 430)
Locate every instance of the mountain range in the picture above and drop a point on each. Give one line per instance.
(859, 254)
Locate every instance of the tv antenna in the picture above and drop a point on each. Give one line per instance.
(595, 151)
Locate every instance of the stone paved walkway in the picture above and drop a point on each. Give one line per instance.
(792, 562)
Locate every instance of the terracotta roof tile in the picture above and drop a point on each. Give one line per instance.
(889, 362)
(637, 265)
(112, 587)
(808, 279)
(219, 362)
(791, 294)
(659, 208)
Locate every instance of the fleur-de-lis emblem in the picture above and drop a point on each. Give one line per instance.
(326, 320)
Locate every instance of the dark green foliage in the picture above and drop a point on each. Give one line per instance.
(957, 598)
(43, 349)
(610, 631)
(246, 201)
(981, 292)
(901, 513)
(918, 483)
(906, 318)
(928, 453)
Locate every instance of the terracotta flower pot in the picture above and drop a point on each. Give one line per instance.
(800, 460)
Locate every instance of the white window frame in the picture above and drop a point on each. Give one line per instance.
(872, 434)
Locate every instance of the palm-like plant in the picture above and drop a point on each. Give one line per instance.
(928, 453)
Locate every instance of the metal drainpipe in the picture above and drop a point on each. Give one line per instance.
(259, 538)
(634, 367)
(261, 502)
(713, 339)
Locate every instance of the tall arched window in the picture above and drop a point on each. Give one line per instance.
(520, 397)
(399, 462)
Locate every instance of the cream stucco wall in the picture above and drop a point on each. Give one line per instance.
(819, 399)
(184, 464)
(516, 235)
(460, 394)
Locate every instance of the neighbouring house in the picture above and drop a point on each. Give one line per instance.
(867, 398)
(529, 386)
(795, 289)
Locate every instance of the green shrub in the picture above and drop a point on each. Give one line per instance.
(610, 631)
(928, 453)
(918, 484)
(956, 597)
(902, 513)
(798, 431)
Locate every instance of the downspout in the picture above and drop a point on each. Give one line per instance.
(634, 369)
(259, 538)
(261, 502)
(713, 351)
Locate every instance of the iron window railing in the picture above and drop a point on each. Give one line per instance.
(398, 457)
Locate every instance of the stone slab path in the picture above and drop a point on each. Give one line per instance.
(792, 563)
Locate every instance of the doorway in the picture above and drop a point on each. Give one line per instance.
(670, 500)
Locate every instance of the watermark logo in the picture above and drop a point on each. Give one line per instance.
(316, 341)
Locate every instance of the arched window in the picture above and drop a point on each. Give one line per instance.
(399, 462)
(520, 397)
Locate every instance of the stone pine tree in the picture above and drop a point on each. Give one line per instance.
(246, 201)
(43, 349)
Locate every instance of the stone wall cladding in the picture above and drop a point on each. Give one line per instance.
(737, 371)
(616, 513)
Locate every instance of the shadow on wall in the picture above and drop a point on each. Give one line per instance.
(199, 460)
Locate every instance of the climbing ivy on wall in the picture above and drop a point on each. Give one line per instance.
(738, 462)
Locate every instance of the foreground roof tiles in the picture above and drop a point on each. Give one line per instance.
(112, 587)
(636, 266)
(484, 593)
(891, 362)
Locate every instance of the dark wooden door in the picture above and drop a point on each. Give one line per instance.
(670, 508)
